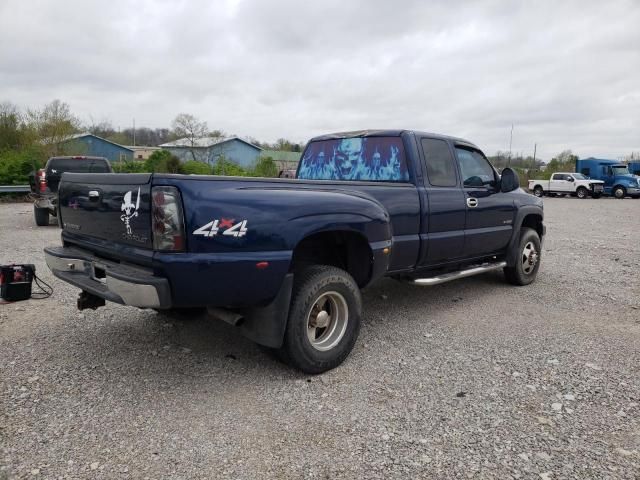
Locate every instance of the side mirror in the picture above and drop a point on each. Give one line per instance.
(509, 181)
(570, 179)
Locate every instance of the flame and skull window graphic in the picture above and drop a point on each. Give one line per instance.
(355, 158)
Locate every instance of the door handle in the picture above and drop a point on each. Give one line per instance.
(472, 202)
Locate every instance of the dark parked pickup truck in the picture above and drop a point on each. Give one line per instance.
(284, 259)
(44, 182)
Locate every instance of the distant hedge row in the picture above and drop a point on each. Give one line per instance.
(15, 166)
(162, 161)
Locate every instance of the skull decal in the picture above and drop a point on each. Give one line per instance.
(130, 210)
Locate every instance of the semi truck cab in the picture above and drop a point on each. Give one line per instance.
(618, 181)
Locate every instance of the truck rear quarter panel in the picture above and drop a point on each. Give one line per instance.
(277, 215)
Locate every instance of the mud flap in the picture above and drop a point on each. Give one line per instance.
(266, 325)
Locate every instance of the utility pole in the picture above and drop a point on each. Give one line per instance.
(134, 132)
(510, 143)
(535, 146)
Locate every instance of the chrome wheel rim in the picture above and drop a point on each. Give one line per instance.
(581, 193)
(327, 321)
(529, 258)
(619, 193)
(537, 192)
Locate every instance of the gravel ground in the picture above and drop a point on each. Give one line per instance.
(471, 379)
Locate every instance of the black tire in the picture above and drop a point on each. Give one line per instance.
(524, 272)
(41, 216)
(619, 192)
(538, 191)
(315, 284)
(582, 192)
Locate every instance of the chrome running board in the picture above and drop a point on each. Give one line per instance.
(447, 277)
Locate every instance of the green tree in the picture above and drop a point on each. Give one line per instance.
(157, 161)
(228, 168)
(173, 165)
(11, 132)
(189, 127)
(265, 167)
(15, 165)
(53, 125)
(130, 166)
(193, 167)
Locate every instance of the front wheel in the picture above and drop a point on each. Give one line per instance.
(619, 192)
(538, 192)
(582, 192)
(527, 260)
(324, 319)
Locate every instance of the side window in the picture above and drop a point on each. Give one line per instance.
(557, 176)
(440, 168)
(475, 169)
(568, 178)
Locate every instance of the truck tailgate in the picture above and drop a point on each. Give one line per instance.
(108, 206)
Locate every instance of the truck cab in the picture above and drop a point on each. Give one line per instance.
(618, 181)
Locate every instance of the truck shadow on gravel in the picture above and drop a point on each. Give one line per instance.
(149, 343)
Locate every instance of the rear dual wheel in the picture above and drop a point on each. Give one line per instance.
(324, 319)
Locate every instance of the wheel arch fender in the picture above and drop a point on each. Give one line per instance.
(357, 243)
(530, 216)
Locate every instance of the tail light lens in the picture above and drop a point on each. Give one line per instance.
(167, 219)
(41, 178)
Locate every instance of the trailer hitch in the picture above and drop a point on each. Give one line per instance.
(89, 300)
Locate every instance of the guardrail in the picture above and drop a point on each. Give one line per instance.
(15, 189)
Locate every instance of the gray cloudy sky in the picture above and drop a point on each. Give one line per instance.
(567, 74)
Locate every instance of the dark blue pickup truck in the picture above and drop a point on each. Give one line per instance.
(284, 259)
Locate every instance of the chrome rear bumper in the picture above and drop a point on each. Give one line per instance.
(125, 284)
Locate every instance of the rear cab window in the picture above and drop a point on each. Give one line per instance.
(372, 159)
(441, 171)
(58, 166)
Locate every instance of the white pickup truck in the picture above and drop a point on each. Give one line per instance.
(563, 183)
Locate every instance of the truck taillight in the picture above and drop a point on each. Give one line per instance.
(41, 179)
(167, 219)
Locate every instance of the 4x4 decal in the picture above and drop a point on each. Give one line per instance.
(224, 226)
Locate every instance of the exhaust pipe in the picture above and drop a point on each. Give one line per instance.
(226, 316)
